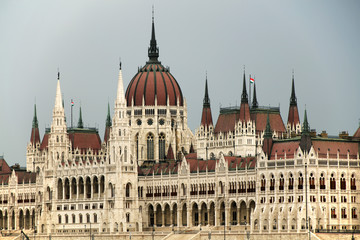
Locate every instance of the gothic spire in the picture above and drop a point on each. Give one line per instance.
(80, 122)
(108, 118)
(306, 127)
(244, 96)
(35, 123)
(268, 133)
(206, 102)
(293, 97)
(58, 97)
(120, 98)
(255, 102)
(153, 51)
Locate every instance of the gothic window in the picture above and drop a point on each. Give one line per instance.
(73, 218)
(88, 218)
(332, 182)
(272, 183)
(343, 213)
(291, 182)
(120, 132)
(342, 182)
(312, 181)
(80, 218)
(137, 146)
(353, 182)
(66, 218)
(263, 183)
(95, 218)
(333, 213)
(57, 138)
(127, 190)
(128, 217)
(59, 218)
(150, 146)
(162, 146)
(353, 213)
(125, 154)
(281, 183)
(322, 181)
(301, 181)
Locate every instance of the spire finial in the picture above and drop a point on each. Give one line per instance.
(244, 96)
(119, 63)
(306, 127)
(268, 133)
(293, 97)
(255, 102)
(153, 51)
(206, 102)
(108, 118)
(58, 77)
(80, 122)
(35, 121)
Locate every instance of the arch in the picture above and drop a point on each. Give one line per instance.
(151, 215)
(60, 188)
(195, 214)
(174, 215)
(212, 214)
(33, 218)
(167, 215)
(183, 189)
(88, 187)
(102, 185)
(111, 192)
(184, 215)
(233, 213)
(162, 146)
(150, 146)
(252, 206)
(95, 186)
(243, 213)
(158, 215)
(204, 215)
(222, 213)
(81, 188)
(21, 219)
(125, 154)
(73, 188)
(128, 190)
(67, 188)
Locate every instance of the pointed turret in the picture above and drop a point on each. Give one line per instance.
(108, 125)
(191, 148)
(293, 124)
(306, 127)
(80, 122)
(59, 122)
(153, 51)
(170, 153)
(35, 136)
(305, 142)
(255, 102)
(244, 107)
(206, 118)
(58, 98)
(120, 98)
(267, 144)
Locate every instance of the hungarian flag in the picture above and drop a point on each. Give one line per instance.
(72, 103)
(252, 80)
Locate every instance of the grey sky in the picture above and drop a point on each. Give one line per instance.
(319, 39)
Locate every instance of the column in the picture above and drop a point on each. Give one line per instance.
(77, 190)
(155, 218)
(163, 218)
(171, 218)
(179, 218)
(70, 189)
(216, 216)
(239, 216)
(189, 218)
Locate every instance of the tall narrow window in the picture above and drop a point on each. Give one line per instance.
(161, 146)
(150, 146)
(137, 146)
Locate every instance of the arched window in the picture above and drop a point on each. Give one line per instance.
(137, 146)
(150, 146)
(80, 218)
(291, 182)
(125, 154)
(281, 183)
(343, 213)
(333, 213)
(263, 183)
(353, 213)
(120, 132)
(353, 182)
(312, 181)
(128, 217)
(332, 182)
(272, 183)
(66, 218)
(162, 146)
(322, 181)
(301, 181)
(342, 182)
(127, 190)
(59, 218)
(73, 218)
(88, 218)
(95, 218)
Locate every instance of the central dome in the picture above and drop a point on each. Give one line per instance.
(153, 81)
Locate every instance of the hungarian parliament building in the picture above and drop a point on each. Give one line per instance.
(150, 171)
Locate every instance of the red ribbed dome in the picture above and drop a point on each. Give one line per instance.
(153, 81)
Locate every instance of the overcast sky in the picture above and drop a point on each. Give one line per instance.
(318, 39)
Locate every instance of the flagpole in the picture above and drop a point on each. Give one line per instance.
(72, 113)
(249, 91)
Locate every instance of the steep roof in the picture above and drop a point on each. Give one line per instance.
(85, 139)
(259, 115)
(227, 119)
(323, 146)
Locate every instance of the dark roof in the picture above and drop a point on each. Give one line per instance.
(281, 147)
(4, 167)
(85, 139)
(227, 119)
(324, 145)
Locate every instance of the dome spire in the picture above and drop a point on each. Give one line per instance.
(206, 97)
(80, 122)
(255, 102)
(293, 97)
(153, 51)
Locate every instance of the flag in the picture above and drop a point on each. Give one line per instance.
(72, 103)
(252, 80)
